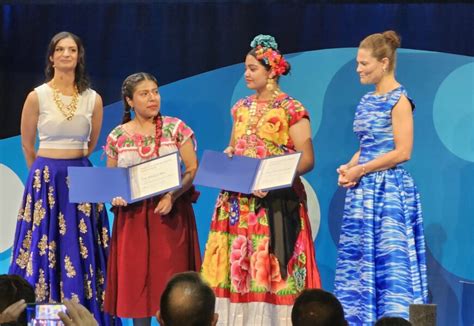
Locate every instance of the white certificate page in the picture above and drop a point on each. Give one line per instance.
(276, 172)
(155, 176)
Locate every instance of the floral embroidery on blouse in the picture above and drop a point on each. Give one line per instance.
(272, 128)
(135, 148)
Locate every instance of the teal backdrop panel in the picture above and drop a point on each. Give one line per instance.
(325, 81)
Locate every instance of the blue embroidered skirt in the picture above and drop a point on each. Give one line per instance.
(61, 248)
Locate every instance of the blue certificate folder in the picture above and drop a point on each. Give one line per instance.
(101, 184)
(238, 173)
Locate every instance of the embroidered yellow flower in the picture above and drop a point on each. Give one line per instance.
(41, 287)
(216, 259)
(274, 127)
(241, 120)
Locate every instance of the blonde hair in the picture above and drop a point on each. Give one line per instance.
(383, 45)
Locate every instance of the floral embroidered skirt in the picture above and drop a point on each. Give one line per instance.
(254, 267)
(61, 248)
(147, 249)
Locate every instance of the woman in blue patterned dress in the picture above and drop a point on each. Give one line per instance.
(381, 264)
(61, 248)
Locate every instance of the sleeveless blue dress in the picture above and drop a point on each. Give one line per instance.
(381, 263)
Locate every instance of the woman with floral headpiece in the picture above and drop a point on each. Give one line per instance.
(260, 253)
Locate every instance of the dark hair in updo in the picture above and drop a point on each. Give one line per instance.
(383, 45)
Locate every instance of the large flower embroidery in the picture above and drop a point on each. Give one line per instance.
(253, 216)
(250, 146)
(298, 259)
(216, 260)
(274, 127)
(240, 264)
(146, 151)
(241, 120)
(265, 268)
(121, 140)
(138, 140)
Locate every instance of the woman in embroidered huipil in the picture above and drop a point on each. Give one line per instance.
(260, 252)
(61, 248)
(154, 238)
(381, 264)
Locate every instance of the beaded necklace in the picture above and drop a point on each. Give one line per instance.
(256, 113)
(67, 110)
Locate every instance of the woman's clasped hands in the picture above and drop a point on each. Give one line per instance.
(349, 176)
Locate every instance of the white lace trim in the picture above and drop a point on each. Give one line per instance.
(252, 313)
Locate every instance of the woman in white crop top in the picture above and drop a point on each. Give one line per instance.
(60, 247)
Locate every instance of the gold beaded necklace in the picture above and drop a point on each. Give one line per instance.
(67, 110)
(255, 120)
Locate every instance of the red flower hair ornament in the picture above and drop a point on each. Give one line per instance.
(266, 50)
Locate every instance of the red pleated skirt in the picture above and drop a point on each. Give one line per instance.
(147, 249)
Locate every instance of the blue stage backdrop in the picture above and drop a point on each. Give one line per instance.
(323, 78)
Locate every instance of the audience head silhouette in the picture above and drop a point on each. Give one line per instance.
(392, 321)
(187, 300)
(317, 307)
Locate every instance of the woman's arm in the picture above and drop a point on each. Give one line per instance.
(229, 150)
(342, 170)
(188, 155)
(111, 162)
(402, 125)
(96, 124)
(354, 160)
(300, 133)
(29, 124)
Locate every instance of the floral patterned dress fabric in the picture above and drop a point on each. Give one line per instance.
(239, 263)
(381, 265)
(61, 248)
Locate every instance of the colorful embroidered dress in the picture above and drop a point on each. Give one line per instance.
(381, 265)
(148, 248)
(260, 253)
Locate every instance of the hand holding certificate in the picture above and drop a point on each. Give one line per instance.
(141, 181)
(245, 174)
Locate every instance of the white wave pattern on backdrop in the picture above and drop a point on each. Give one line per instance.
(10, 198)
(314, 211)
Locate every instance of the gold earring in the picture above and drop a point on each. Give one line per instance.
(270, 84)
